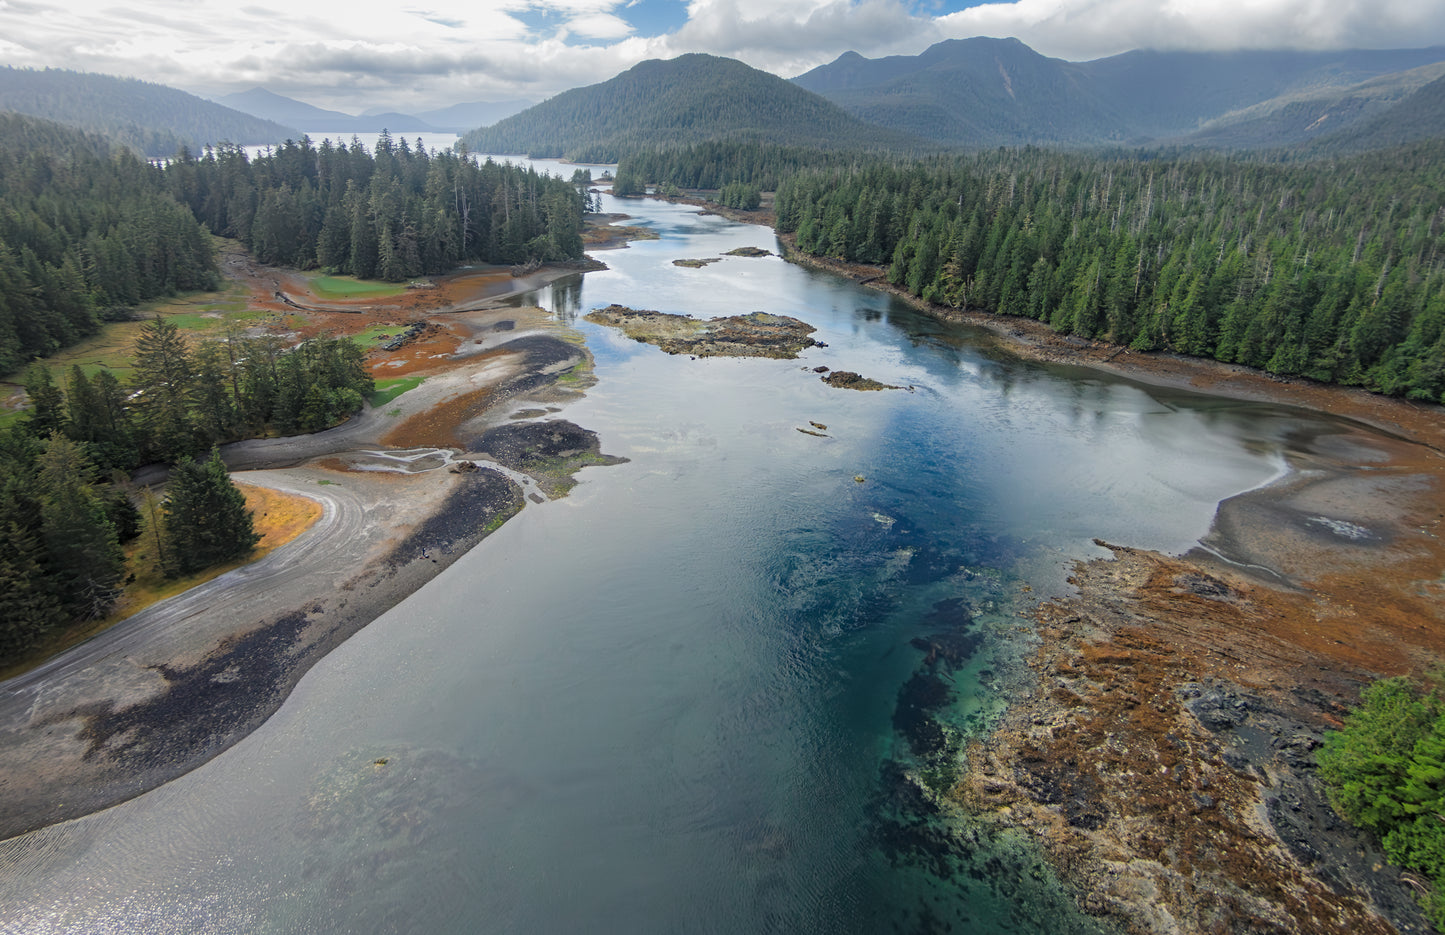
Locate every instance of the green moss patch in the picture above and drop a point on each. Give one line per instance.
(345, 287)
(387, 390)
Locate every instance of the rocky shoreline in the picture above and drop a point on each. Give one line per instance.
(1160, 748)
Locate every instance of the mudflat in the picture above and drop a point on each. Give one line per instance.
(406, 488)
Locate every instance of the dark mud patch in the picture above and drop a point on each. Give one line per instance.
(546, 359)
(551, 451)
(201, 705)
(481, 502)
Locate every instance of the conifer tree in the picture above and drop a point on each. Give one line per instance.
(82, 552)
(206, 518)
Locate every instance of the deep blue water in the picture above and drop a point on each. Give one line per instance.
(692, 696)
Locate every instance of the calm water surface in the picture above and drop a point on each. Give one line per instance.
(685, 698)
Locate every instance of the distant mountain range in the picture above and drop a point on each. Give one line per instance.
(455, 119)
(152, 119)
(689, 99)
(999, 92)
(970, 93)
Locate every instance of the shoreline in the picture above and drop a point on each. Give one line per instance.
(407, 490)
(1160, 747)
(1142, 632)
(1217, 672)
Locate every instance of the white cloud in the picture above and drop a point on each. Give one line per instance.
(1081, 29)
(599, 26)
(354, 54)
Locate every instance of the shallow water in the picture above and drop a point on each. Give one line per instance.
(671, 702)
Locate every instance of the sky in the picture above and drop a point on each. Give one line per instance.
(356, 55)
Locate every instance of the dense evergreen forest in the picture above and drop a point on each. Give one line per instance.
(715, 164)
(151, 119)
(84, 232)
(1328, 270)
(63, 511)
(393, 214)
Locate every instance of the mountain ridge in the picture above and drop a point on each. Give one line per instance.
(985, 92)
(152, 119)
(689, 99)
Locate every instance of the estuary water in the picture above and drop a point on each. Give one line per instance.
(695, 695)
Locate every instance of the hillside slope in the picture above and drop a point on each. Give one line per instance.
(689, 99)
(992, 92)
(151, 119)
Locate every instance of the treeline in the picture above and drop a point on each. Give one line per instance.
(392, 214)
(151, 119)
(717, 163)
(183, 400)
(63, 519)
(62, 531)
(1331, 271)
(84, 231)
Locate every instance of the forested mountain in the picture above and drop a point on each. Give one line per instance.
(992, 92)
(152, 119)
(393, 214)
(1333, 271)
(973, 92)
(271, 106)
(689, 99)
(1294, 119)
(83, 230)
(1421, 116)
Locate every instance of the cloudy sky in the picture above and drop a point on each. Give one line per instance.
(353, 55)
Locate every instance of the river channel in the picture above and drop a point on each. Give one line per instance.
(681, 699)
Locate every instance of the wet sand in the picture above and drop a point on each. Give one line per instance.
(407, 488)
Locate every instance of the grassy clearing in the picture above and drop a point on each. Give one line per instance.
(345, 287)
(279, 518)
(200, 314)
(376, 335)
(387, 390)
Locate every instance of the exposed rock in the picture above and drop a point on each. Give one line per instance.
(757, 334)
(696, 264)
(1165, 759)
(848, 380)
(749, 251)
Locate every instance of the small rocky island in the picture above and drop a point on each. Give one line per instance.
(756, 334)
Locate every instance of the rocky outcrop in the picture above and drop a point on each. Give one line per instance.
(757, 334)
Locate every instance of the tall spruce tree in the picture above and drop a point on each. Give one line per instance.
(83, 554)
(206, 518)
